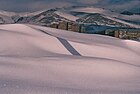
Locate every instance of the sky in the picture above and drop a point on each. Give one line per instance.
(35, 5)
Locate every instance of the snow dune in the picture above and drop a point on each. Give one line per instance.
(41, 60)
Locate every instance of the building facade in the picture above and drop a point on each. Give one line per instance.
(70, 26)
(130, 33)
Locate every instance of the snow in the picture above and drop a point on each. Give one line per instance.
(6, 19)
(132, 25)
(25, 14)
(6, 16)
(41, 60)
(67, 15)
(96, 10)
(108, 13)
(7, 13)
(22, 14)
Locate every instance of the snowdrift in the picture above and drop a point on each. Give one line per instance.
(41, 60)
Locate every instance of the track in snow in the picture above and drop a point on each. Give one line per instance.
(66, 44)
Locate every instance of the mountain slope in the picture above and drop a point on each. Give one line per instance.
(67, 15)
(5, 17)
(6, 13)
(40, 60)
(78, 15)
(44, 18)
(92, 10)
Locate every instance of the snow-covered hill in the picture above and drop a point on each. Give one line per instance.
(67, 15)
(25, 14)
(5, 17)
(7, 13)
(41, 60)
(107, 13)
(79, 15)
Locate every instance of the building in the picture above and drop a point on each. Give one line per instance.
(53, 25)
(63, 25)
(129, 33)
(71, 26)
(74, 27)
(126, 33)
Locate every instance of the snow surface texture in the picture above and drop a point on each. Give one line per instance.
(41, 60)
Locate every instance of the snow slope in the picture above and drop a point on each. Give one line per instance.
(30, 13)
(106, 12)
(67, 15)
(6, 13)
(6, 19)
(41, 60)
(109, 13)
